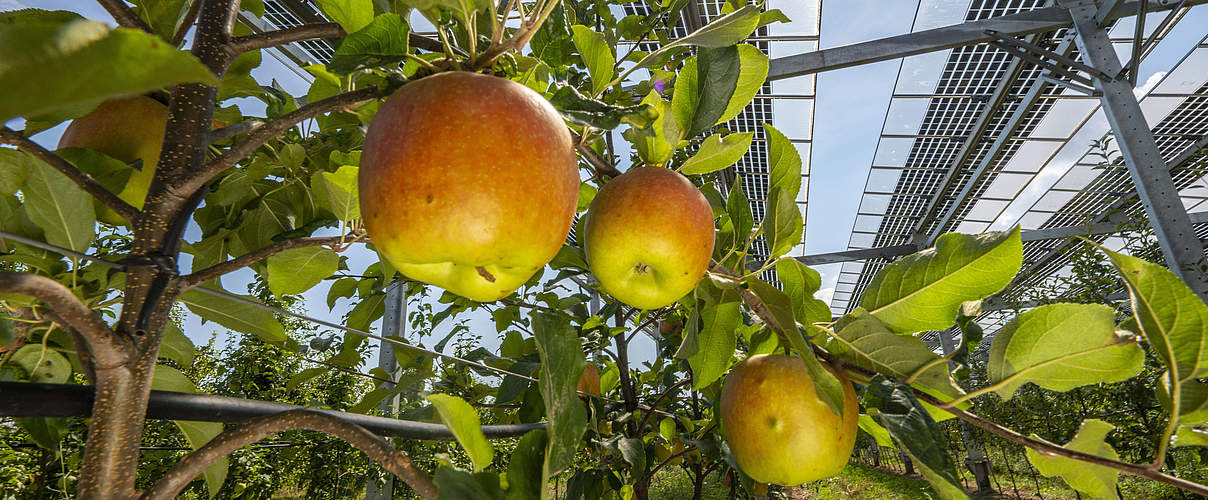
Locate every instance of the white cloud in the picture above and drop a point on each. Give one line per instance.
(825, 294)
(12, 5)
(1149, 84)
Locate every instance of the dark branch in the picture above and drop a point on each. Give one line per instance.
(81, 178)
(107, 349)
(247, 259)
(254, 430)
(601, 166)
(124, 16)
(268, 39)
(186, 23)
(229, 131)
(272, 130)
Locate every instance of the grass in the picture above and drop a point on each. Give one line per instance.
(674, 483)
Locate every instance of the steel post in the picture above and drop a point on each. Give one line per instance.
(394, 324)
(1183, 251)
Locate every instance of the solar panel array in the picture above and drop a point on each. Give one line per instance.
(1039, 171)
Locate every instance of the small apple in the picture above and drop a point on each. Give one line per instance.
(666, 327)
(648, 237)
(468, 182)
(589, 381)
(127, 130)
(778, 429)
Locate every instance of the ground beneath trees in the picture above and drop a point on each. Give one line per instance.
(858, 482)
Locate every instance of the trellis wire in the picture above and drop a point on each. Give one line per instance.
(229, 296)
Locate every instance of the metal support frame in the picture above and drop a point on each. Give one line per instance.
(1081, 89)
(394, 325)
(947, 37)
(1183, 250)
(976, 460)
(1140, 49)
(1108, 225)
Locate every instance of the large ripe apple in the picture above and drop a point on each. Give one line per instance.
(649, 237)
(127, 130)
(468, 182)
(778, 429)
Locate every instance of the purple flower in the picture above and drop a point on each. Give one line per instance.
(660, 86)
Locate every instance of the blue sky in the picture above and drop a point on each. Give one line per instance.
(848, 118)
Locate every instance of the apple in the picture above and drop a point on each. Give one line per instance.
(589, 381)
(666, 327)
(127, 130)
(468, 182)
(648, 237)
(778, 429)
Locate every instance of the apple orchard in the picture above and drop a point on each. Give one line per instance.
(477, 165)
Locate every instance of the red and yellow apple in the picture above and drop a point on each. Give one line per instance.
(127, 130)
(468, 182)
(648, 237)
(589, 381)
(777, 427)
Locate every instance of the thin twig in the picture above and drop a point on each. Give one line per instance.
(378, 450)
(124, 16)
(247, 259)
(222, 134)
(79, 177)
(601, 166)
(186, 23)
(655, 404)
(108, 350)
(274, 129)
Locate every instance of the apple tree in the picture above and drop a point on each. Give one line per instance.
(94, 232)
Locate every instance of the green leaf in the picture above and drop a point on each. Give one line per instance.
(726, 30)
(583, 110)
(597, 56)
(716, 153)
(367, 311)
(337, 192)
(562, 362)
(633, 451)
(197, 434)
(351, 14)
(717, 77)
(875, 430)
(656, 143)
(453, 484)
(667, 428)
(1095, 480)
(47, 56)
(1171, 316)
(1193, 401)
(800, 283)
(1190, 436)
(304, 376)
(42, 364)
(784, 162)
(716, 341)
(45, 432)
(461, 418)
(924, 291)
(14, 169)
(236, 316)
(380, 43)
(1060, 347)
(739, 210)
(59, 207)
(752, 73)
(298, 270)
(341, 288)
(863, 340)
(783, 223)
(524, 480)
(163, 16)
(893, 406)
(176, 346)
(773, 16)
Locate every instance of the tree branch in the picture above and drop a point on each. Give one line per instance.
(247, 259)
(601, 166)
(221, 134)
(273, 130)
(269, 39)
(125, 17)
(107, 348)
(81, 178)
(186, 23)
(256, 429)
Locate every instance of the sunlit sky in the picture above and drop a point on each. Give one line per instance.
(849, 115)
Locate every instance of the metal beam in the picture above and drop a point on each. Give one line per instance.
(1112, 225)
(27, 399)
(947, 37)
(1183, 251)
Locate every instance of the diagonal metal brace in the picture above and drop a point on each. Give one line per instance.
(1070, 85)
(1046, 53)
(1048, 65)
